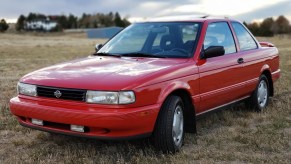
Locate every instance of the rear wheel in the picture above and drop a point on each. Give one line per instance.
(169, 132)
(260, 98)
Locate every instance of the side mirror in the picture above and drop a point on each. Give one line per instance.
(98, 47)
(212, 51)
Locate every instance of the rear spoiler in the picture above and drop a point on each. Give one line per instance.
(266, 44)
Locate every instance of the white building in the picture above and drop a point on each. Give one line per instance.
(41, 25)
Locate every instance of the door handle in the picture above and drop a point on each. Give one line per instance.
(240, 60)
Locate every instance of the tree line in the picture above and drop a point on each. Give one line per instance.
(72, 22)
(270, 27)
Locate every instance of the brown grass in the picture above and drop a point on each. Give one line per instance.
(235, 135)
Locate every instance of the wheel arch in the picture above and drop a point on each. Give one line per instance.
(183, 91)
(189, 113)
(267, 72)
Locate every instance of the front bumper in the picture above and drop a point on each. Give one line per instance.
(103, 123)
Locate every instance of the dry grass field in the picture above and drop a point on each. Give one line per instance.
(235, 135)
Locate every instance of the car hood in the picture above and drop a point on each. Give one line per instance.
(101, 73)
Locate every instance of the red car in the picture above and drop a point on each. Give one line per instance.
(152, 79)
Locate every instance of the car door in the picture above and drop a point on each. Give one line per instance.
(220, 77)
(252, 56)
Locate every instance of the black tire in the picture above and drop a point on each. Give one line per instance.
(164, 133)
(260, 99)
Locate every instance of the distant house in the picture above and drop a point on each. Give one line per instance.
(40, 25)
(106, 32)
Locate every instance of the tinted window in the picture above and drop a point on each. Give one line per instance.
(246, 41)
(219, 34)
(165, 39)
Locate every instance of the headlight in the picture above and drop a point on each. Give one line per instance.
(102, 97)
(26, 89)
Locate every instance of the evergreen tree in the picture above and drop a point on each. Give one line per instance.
(20, 23)
(118, 21)
(72, 21)
(3, 25)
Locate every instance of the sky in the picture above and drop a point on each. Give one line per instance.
(136, 10)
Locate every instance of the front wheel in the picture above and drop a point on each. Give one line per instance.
(169, 132)
(260, 98)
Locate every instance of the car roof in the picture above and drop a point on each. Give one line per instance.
(188, 18)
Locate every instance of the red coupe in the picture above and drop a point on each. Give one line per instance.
(151, 79)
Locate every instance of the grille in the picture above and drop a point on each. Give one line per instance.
(67, 94)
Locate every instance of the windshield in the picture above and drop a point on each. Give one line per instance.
(154, 39)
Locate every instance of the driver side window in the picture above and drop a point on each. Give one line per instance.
(219, 34)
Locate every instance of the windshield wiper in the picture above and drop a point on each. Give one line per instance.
(139, 54)
(107, 54)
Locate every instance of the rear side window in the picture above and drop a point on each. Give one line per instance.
(219, 34)
(246, 41)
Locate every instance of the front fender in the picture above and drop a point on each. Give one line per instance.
(172, 86)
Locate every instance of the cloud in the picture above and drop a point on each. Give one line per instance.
(282, 8)
(13, 8)
(225, 7)
(240, 9)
